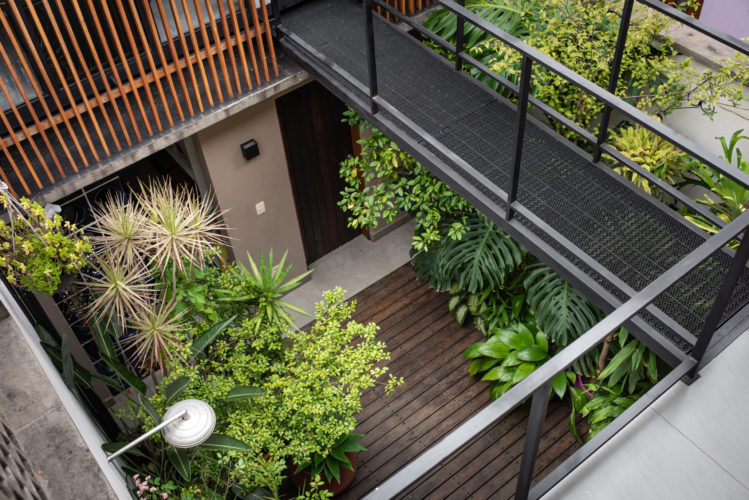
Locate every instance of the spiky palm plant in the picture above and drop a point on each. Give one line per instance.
(122, 229)
(181, 227)
(157, 338)
(120, 290)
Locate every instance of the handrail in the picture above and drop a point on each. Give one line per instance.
(602, 95)
(463, 56)
(543, 375)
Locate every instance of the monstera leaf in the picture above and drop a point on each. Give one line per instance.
(561, 311)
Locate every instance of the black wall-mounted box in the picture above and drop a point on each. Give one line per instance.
(250, 149)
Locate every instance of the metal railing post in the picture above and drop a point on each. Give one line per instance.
(532, 438)
(459, 37)
(721, 301)
(276, 6)
(371, 63)
(616, 66)
(525, 83)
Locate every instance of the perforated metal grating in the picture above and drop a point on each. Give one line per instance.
(17, 478)
(634, 237)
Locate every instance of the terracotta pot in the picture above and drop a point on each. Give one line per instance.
(302, 479)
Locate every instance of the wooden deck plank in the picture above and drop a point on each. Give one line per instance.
(426, 346)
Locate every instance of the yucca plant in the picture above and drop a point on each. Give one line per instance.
(121, 228)
(157, 335)
(182, 228)
(120, 289)
(264, 286)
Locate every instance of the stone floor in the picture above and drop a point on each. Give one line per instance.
(50, 440)
(353, 266)
(690, 444)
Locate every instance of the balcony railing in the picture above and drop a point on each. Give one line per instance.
(81, 80)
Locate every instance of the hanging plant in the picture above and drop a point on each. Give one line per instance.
(35, 251)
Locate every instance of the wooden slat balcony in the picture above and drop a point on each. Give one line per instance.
(83, 80)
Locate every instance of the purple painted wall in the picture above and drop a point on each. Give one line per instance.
(731, 16)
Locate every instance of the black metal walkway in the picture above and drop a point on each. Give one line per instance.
(565, 195)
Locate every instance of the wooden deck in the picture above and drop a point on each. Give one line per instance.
(426, 345)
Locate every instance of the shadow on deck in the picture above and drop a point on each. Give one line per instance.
(426, 346)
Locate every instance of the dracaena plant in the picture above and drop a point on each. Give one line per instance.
(182, 228)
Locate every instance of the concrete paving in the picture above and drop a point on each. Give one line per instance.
(353, 266)
(34, 413)
(690, 444)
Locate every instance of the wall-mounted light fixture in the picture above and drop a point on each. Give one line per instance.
(250, 149)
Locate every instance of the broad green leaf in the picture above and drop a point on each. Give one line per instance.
(532, 353)
(492, 374)
(220, 442)
(243, 392)
(559, 385)
(179, 458)
(175, 388)
(573, 428)
(617, 360)
(146, 404)
(45, 336)
(494, 350)
(523, 371)
(67, 363)
(81, 375)
(652, 367)
(125, 374)
(209, 336)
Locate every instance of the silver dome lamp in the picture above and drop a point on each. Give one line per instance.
(186, 424)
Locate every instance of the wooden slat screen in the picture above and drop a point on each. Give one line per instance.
(81, 80)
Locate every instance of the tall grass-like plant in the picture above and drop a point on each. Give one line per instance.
(182, 228)
(158, 335)
(122, 229)
(121, 289)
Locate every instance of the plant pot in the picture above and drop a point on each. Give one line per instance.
(302, 479)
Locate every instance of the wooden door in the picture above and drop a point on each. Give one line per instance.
(316, 142)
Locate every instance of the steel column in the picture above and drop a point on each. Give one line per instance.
(276, 7)
(371, 63)
(459, 37)
(616, 66)
(532, 438)
(525, 83)
(721, 301)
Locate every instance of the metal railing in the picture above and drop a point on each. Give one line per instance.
(538, 383)
(81, 80)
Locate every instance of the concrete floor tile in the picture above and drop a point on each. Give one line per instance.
(66, 467)
(25, 392)
(354, 266)
(649, 459)
(712, 412)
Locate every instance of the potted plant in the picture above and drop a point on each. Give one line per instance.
(337, 468)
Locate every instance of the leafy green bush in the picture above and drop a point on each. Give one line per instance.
(36, 251)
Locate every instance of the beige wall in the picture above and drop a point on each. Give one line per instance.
(241, 184)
